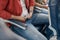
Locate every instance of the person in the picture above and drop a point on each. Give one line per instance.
(20, 11)
(40, 17)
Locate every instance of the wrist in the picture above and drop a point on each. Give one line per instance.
(12, 16)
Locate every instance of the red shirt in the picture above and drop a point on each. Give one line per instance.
(12, 7)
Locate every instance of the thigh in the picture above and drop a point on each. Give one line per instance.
(40, 19)
(44, 11)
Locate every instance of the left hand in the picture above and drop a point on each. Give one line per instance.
(30, 12)
(29, 16)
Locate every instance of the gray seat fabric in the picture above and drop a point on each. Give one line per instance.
(7, 34)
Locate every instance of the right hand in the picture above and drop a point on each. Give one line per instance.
(18, 18)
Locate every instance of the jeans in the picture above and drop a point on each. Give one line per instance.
(38, 19)
(40, 10)
(30, 33)
(55, 15)
(40, 16)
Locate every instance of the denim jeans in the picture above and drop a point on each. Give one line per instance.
(55, 18)
(40, 16)
(31, 33)
(38, 19)
(40, 10)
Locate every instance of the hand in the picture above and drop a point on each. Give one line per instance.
(18, 18)
(29, 16)
(30, 12)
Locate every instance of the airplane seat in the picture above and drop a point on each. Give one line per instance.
(7, 34)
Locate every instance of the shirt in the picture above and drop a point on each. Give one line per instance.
(24, 9)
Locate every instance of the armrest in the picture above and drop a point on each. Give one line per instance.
(20, 26)
(7, 34)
